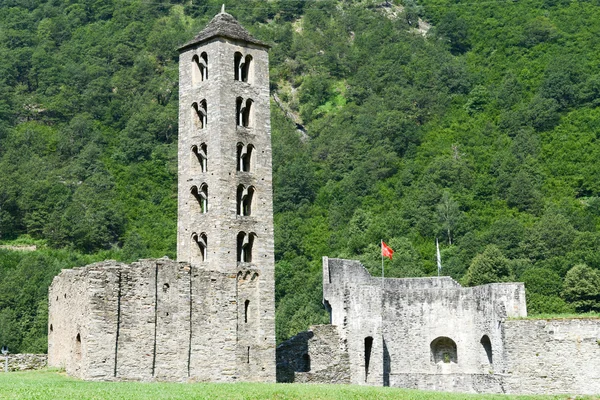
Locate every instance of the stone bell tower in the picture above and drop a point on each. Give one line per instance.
(225, 201)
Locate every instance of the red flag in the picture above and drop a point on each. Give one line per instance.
(386, 251)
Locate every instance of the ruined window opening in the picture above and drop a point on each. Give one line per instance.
(199, 68)
(201, 241)
(246, 305)
(244, 157)
(199, 114)
(241, 66)
(368, 348)
(200, 153)
(78, 338)
(443, 349)
(243, 112)
(166, 287)
(244, 246)
(487, 346)
(329, 310)
(244, 200)
(201, 196)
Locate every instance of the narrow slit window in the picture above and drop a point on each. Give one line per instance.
(246, 305)
(368, 349)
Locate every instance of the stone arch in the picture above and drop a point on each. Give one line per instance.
(201, 196)
(486, 344)
(244, 199)
(201, 244)
(242, 66)
(245, 155)
(443, 349)
(245, 242)
(200, 154)
(199, 114)
(199, 68)
(243, 112)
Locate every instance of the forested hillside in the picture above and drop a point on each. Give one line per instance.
(474, 122)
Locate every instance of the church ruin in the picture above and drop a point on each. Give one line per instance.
(211, 315)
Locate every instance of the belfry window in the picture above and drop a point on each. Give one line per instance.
(200, 155)
(244, 200)
(242, 66)
(201, 242)
(244, 156)
(199, 115)
(244, 246)
(201, 196)
(243, 112)
(199, 68)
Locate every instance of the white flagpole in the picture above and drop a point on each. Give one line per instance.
(439, 257)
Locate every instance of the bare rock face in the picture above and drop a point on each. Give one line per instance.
(210, 316)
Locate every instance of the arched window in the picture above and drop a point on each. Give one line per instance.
(368, 349)
(199, 115)
(244, 157)
(244, 246)
(246, 305)
(443, 349)
(244, 200)
(487, 347)
(199, 68)
(243, 112)
(201, 196)
(200, 155)
(202, 243)
(242, 67)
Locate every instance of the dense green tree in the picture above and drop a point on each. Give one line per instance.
(488, 267)
(582, 288)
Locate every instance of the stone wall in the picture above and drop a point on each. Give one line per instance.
(158, 320)
(315, 356)
(23, 362)
(553, 356)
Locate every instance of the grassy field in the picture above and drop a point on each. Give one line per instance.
(55, 385)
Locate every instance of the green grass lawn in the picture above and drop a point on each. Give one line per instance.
(49, 384)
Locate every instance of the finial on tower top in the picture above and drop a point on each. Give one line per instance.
(223, 8)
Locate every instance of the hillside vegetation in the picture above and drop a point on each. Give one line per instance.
(482, 132)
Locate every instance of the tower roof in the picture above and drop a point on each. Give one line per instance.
(223, 25)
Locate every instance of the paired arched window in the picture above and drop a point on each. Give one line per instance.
(244, 200)
(243, 112)
(245, 241)
(200, 155)
(199, 115)
(199, 68)
(201, 243)
(201, 196)
(443, 349)
(244, 157)
(242, 67)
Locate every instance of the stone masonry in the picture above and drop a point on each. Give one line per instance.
(210, 316)
(433, 334)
